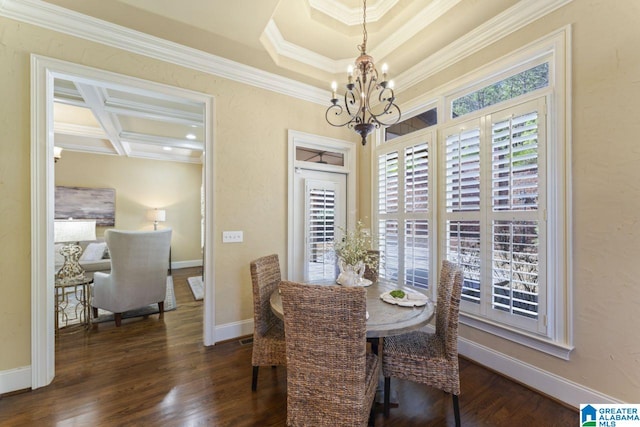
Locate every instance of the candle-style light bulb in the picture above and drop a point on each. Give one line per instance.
(391, 84)
(350, 73)
(385, 68)
(334, 86)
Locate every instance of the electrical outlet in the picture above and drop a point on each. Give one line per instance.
(232, 237)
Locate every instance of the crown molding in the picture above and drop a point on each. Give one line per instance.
(55, 18)
(52, 17)
(507, 22)
(85, 149)
(290, 50)
(416, 24)
(352, 16)
(516, 17)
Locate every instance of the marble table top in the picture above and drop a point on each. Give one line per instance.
(385, 319)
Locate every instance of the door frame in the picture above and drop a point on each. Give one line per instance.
(318, 142)
(44, 70)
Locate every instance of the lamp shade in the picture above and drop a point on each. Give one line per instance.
(72, 230)
(57, 153)
(157, 215)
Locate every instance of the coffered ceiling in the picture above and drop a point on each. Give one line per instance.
(95, 118)
(308, 41)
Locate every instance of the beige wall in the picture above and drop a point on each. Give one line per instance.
(250, 190)
(250, 194)
(143, 184)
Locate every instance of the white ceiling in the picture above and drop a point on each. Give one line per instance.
(310, 41)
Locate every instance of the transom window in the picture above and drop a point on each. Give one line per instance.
(511, 87)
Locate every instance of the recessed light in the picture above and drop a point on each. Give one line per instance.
(167, 148)
(190, 136)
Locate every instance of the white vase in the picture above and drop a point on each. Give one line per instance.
(350, 275)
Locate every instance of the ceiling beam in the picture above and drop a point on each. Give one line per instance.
(161, 141)
(96, 102)
(130, 108)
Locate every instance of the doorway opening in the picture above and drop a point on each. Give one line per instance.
(46, 72)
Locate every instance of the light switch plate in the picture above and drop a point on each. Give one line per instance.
(232, 237)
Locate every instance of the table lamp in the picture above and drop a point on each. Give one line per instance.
(156, 215)
(71, 232)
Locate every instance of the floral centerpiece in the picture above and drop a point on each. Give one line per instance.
(353, 252)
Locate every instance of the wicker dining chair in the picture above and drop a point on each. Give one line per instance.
(331, 378)
(430, 358)
(268, 330)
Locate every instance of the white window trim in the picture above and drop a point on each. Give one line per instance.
(557, 46)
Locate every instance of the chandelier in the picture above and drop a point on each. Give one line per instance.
(366, 100)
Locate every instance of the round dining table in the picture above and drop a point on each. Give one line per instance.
(385, 319)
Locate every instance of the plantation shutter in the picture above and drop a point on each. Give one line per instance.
(515, 220)
(321, 200)
(388, 183)
(494, 227)
(462, 196)
(403, 211)
(388, 196)
(416, 207)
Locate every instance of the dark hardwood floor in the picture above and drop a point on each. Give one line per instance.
(152, 372)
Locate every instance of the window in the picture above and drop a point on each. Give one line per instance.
(494, 212)
(486, 186)
(412, 124)
(403, 209)
(511, 87)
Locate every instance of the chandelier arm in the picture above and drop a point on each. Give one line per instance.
(388, 111)
(336, 111)
(350, 99)
(386, 102)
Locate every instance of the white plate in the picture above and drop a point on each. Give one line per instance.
(362, 282)
(410, 299)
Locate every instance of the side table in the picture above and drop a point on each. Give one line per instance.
(80, 289)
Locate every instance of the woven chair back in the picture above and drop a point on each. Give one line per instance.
(451, 335)
(265, 278)
(445, 284)
(325, 333)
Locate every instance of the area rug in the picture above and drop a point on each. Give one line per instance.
(197, 289)
(169, 305)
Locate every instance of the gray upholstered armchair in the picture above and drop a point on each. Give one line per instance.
(139, 264)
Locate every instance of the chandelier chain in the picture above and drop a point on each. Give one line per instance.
(363, 47)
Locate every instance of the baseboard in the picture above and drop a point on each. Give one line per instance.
(15, 379)
(552, 385)
(234, 330)
(186, 264)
